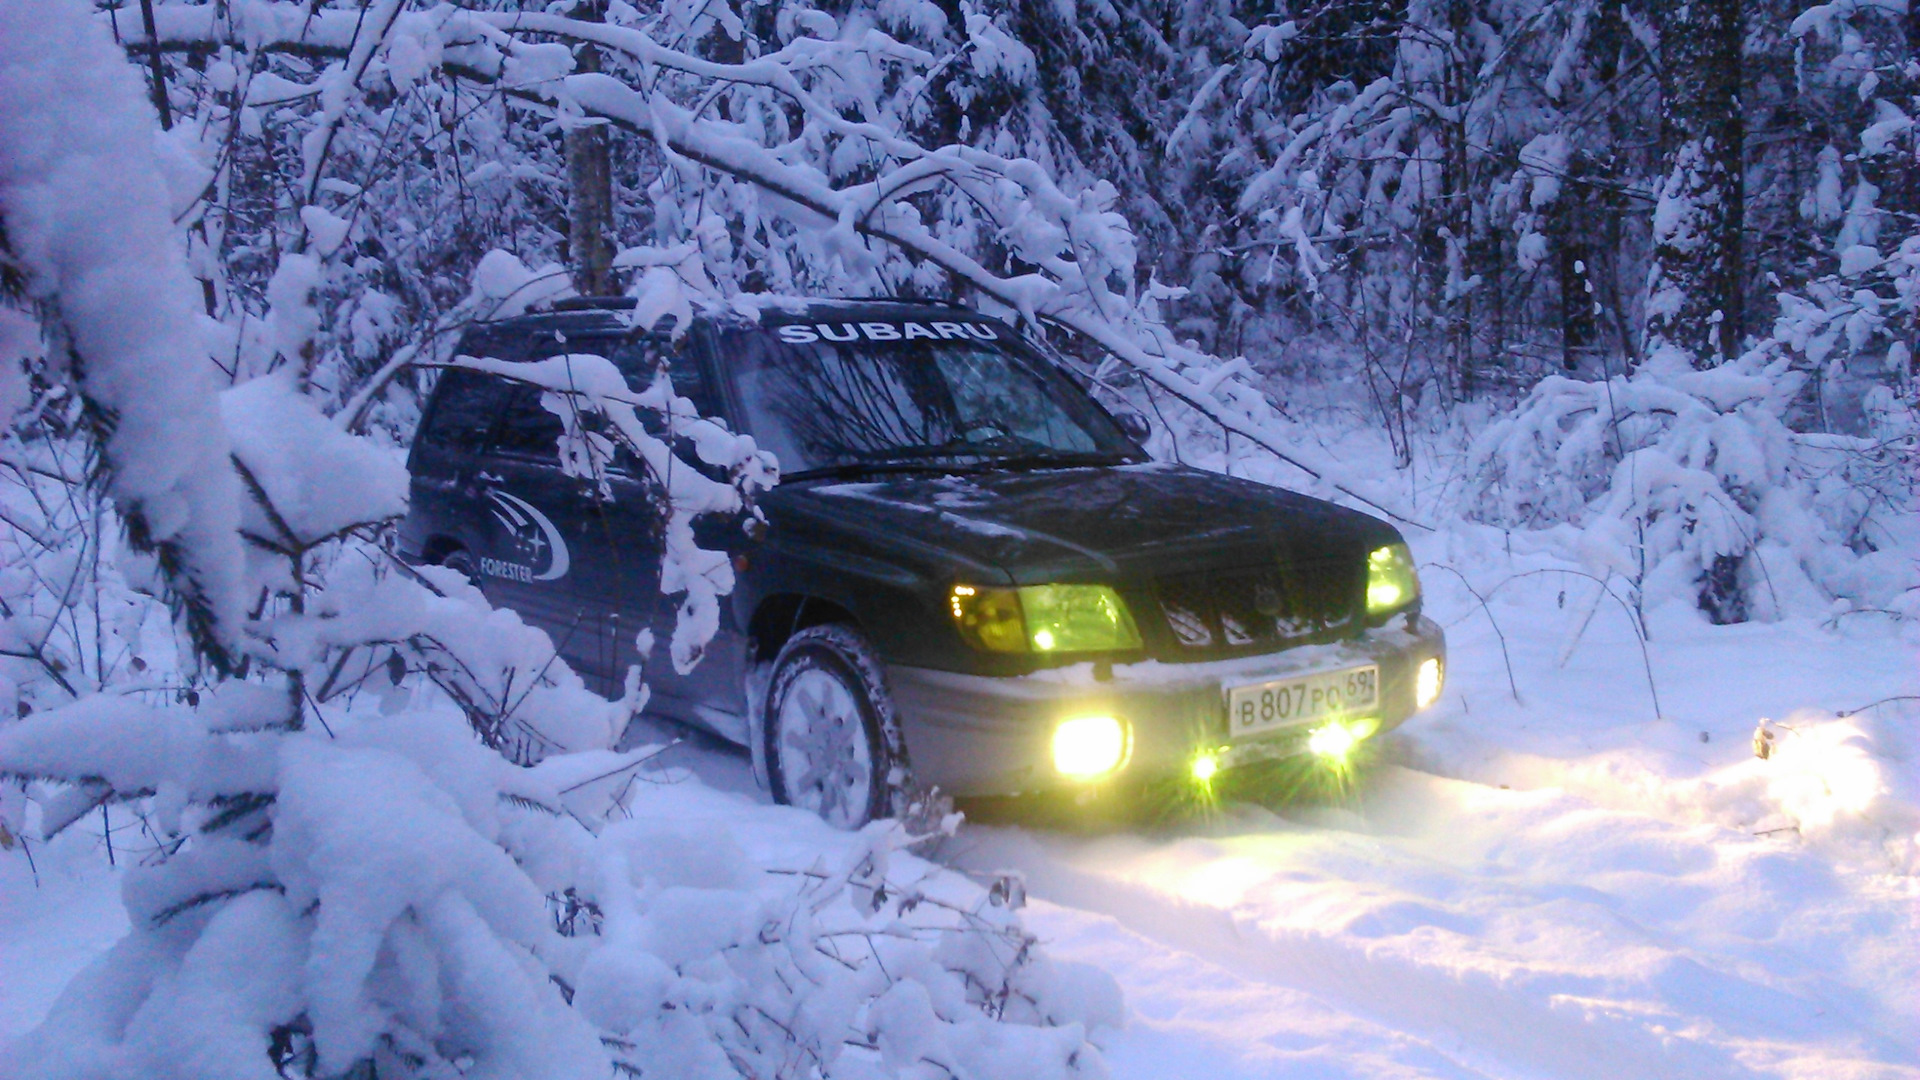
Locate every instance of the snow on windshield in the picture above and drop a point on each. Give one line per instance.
(835, 393)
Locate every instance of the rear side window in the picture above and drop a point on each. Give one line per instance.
(476, 412)
(465, 407)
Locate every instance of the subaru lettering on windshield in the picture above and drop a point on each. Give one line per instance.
(804, 334)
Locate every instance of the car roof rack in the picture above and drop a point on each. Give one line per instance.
(626, 303)
(931, 301)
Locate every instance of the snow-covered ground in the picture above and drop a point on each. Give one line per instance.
(1557, 884)
(52, 923)
(1560, 886)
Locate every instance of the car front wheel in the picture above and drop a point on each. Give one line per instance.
(458, 559)
(827, 726)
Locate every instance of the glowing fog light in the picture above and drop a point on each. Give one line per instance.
(1426, 683)
(1335, 740)
(1205, 766)
(1087, 746)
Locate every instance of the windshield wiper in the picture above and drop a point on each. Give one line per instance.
(920, 459)
(955, 448)
(849, 469)
(905, 459)
(1055, 459)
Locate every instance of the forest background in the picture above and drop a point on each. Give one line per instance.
(1638, 277)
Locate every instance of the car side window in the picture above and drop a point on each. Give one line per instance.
(690, 382)
(639, 359)
(465, 407)
(528, 429)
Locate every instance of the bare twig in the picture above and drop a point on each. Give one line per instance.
(1872, 704)
(1504, 656)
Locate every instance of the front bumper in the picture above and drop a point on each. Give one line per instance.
(975, 735)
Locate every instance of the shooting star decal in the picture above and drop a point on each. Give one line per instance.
(516, 515)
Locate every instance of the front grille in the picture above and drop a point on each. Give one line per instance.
(1256, 609)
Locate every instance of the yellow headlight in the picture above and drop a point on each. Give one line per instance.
(1392, 582)
(1077, 618)
(1089, 746)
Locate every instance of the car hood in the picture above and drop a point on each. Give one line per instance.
(1059, 524)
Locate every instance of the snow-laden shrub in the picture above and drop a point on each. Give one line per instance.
(287, 849)
(344, 880)
(338, 877)
(390, 899)
(72, 616)
(1690, 484)
(861, 964)
(341, 897)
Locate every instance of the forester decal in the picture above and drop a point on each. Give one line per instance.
(512, 571)
(534, 535)
(803, 334)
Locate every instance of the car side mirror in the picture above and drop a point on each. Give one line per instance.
(729, 533)
(1133, 425)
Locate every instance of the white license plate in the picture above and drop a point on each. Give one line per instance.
(1257, 708)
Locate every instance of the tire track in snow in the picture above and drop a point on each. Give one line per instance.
(1191, 1018)
(1540, 934)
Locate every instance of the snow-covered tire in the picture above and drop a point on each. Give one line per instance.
(459, 559)
(832, 745)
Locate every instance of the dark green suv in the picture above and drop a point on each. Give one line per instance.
(972, 577)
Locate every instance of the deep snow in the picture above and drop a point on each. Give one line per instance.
(1562, 886)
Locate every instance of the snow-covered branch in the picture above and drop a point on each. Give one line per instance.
(101, 258)
(825, 203)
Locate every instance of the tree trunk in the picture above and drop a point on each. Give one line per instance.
(155, 67)
(590, 189)
(1897, 174)
(1694, 281)
(1465, 251)
(1579, 328)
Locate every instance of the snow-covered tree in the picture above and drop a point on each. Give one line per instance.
(1695, 284)
(1711, 484)
(376, 810)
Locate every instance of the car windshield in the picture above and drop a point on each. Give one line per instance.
(843, 396)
